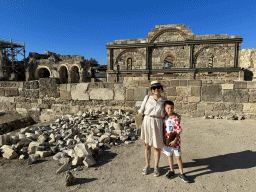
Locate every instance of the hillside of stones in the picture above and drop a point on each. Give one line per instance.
(72, 140)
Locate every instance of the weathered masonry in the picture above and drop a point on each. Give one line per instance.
(174, 51)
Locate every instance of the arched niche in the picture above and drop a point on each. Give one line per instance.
(63, 75)
(75, 76)
(42, 72)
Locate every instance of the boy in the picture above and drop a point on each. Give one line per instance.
(172, 124)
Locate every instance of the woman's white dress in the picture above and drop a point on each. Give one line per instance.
(152, 125)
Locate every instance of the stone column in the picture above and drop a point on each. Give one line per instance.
(1, 64)
(111, 59)
(236, 55)
(191, 56)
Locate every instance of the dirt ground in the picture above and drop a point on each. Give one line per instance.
(218, 155)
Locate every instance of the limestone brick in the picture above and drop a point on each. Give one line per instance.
(211, 93)
(194, 99)
(101, 94)
(236, 96)
(119, 92)
(227, 86)
(79, 91)
(249, 107)
(240, 85)
(140, 93)
(196, 91)
(2, 92)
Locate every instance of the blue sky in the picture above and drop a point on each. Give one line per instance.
(82, 27)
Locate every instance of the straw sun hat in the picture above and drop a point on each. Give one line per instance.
(155, 83)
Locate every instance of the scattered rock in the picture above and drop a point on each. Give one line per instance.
(89, 161)
(70, 179)
(8, 152)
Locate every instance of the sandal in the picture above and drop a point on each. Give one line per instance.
(156, 172)
(145, 170)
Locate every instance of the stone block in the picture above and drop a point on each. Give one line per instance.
(195, 82)
(11, 84)
(107, 85)
(249, 108)
(66, 95)
(171, 91)
(227, 86)
(140, 93)
(8, 152)
(196, 91)
(251, 84)
(10, 92)
(163, 83)
(63, 87)
(101, 94)
(183, 82)
(44, 153)
(80, 91)
(63, 168)
(252, 98)
(119, 92)
(89, 161)
(236, 107)
(192, 106)
(218, 81)
(145, 83)
(1, 91)
(129, 94)
(77, 161)
(7, 99)
(48, 87)
(94, 85)
(194, 99)
(201, 106)
(174, 83)
(211, 93)
(82, 150)
(33, 84)
(240, 84)
(235, 96)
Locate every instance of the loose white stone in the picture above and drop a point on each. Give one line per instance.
(104, 139)
(8, 152)
(89, 161)
(63, 168)
(82, 150)
(43, 153)
(77, 161)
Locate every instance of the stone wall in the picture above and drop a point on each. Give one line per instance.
(45, 99)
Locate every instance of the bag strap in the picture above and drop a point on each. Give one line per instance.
(145, 104)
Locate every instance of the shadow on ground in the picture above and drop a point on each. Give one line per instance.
(222, 163)
(84, 180)
(106, 157)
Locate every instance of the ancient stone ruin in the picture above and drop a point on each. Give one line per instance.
(205, 75)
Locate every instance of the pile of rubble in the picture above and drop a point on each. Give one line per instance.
(72, 140)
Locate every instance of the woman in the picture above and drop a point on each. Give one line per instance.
(152, 125)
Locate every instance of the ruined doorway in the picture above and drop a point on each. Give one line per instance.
(75, 75)
(43, 73)
(63, 75)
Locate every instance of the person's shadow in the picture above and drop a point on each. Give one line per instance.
(222, 163)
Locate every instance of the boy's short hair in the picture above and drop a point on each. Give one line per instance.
(168, 103)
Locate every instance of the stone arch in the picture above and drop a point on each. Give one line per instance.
(129, 61)
(42, 72)
(63, 74)
(213, 55)
(171, 29)
(75, 74)
(122, 57)
(128, 50)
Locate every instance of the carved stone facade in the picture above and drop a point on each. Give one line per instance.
(67, 68)
(174, 50)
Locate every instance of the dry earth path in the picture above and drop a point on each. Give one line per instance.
(218, 155)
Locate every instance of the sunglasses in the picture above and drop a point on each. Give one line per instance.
(156, 87)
